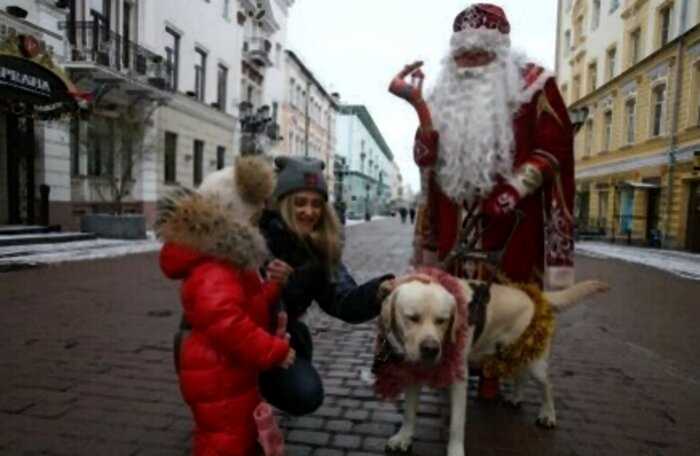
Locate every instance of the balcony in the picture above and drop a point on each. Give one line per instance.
(257, 50)
(106, 56)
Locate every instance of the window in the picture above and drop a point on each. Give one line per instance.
(602, 208)
(659, 95)
(292, 89)
(222, 80)
(635, 46)
(607, 130)
(198, 167)
(611, 61)
(100, 147)
(291, 143)
(220, 157)
(568, 5)
(227, 9)
(665, 15)
(614, 4)
(74, 146)
(564, 92)
(172, 53)
(567, 43)
(589, 137)
(170, 157)
(595, 16)
(629, 120)
(592, 77)
(576, 88)
(200, 75)
(578, 31)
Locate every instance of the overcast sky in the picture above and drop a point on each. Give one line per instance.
(355, 47)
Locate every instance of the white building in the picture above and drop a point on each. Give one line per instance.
(166, 79)
(368, 160)
(308, 117)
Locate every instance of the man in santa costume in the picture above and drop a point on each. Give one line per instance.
(494, 136)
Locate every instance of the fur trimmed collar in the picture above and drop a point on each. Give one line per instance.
(203, 223)
(392, 375)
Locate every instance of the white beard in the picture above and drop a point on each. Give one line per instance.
(472, 110)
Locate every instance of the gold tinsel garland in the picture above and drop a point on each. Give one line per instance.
(531, 343)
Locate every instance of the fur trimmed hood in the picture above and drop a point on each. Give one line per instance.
(216, 220)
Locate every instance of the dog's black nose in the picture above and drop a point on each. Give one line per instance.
(429, 349)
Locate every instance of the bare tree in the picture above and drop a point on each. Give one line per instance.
(128, 147)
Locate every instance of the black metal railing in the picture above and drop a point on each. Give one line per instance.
(94, 42)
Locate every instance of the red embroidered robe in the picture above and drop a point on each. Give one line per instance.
(544, 142)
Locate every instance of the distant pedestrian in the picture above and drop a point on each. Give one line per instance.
(214, 248)
(403, 213)
(304, 232)
(412, 214)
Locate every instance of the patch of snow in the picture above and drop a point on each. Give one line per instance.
(39, 254)
(683, 264)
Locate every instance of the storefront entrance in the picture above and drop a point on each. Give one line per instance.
(693, 233)
(19, 153)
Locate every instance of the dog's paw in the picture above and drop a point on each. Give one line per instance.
(400, 442)
(546, 421)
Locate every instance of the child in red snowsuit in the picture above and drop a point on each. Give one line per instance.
(212, 245)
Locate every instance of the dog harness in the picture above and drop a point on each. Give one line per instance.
(393, 374)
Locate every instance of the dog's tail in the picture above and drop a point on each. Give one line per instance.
(563, 299)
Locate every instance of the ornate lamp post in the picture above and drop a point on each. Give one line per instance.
(258, 128)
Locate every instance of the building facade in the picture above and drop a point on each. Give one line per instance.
(165, 86)
(633, 67)
(34, 136)
(308, 118)
(369, 163)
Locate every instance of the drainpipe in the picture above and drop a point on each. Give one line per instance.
(673, 141)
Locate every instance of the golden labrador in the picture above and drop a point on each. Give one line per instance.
(422, 314)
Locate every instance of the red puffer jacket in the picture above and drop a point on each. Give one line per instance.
(228, 347)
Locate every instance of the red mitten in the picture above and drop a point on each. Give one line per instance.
(501, 201)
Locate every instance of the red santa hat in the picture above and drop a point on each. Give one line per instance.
(480, 26)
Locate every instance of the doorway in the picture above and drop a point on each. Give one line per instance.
(693, 229)
(20, 153)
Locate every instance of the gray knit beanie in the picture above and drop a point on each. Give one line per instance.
(299, 173)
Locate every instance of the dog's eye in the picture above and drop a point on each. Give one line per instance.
(414, 318)
(440, 321)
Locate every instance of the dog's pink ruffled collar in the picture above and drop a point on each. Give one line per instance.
(392, 377)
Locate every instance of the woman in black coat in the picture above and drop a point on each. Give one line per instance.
(304, 232)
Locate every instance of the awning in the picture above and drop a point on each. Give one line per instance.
(27, 81)
(642, 185)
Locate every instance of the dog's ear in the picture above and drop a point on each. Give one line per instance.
(387, 312)
(453, 326)
(452, 329)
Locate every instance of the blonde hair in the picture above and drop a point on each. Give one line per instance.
(325, 236)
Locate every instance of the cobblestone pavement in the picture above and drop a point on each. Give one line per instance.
(86, 367)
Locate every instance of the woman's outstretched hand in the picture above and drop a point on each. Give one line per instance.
(279, 271)
(385, 289)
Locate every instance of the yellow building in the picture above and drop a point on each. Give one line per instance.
(634, 68)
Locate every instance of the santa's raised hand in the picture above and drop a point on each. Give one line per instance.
(412, 91)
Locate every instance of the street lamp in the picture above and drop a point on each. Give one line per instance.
(578, 117)
(258, 127)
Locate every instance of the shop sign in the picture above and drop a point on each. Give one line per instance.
(28, 81)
